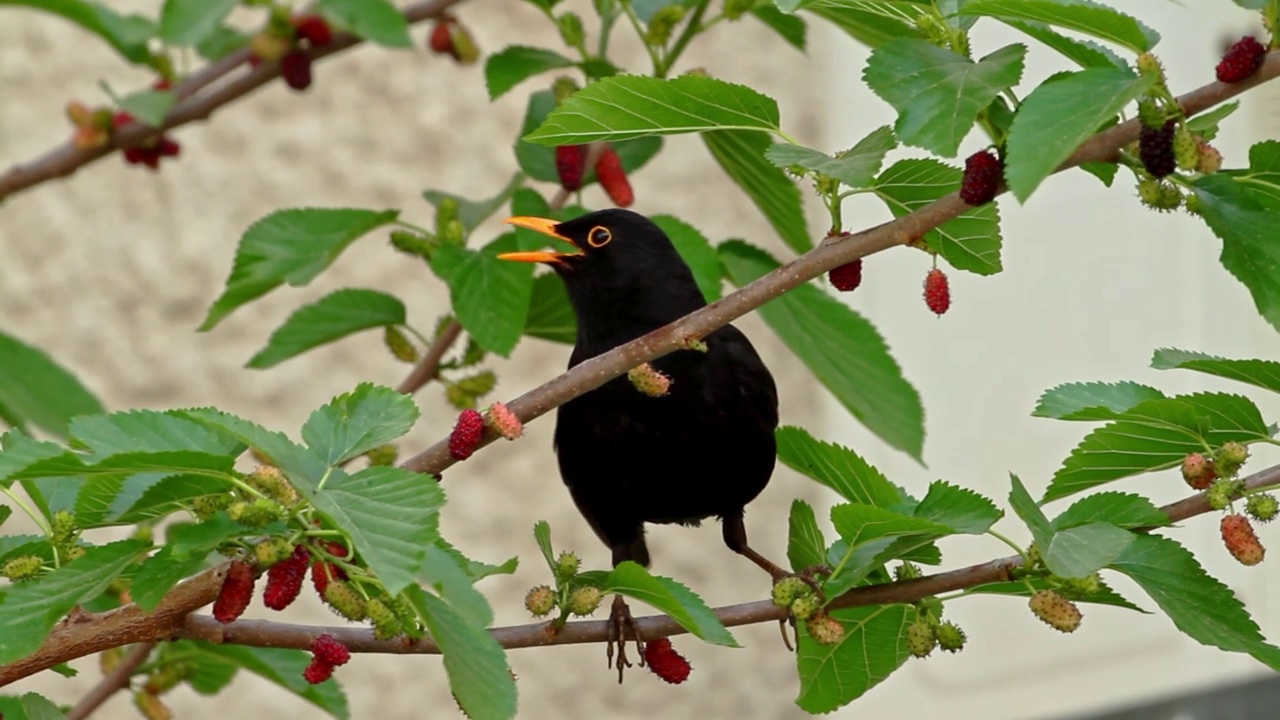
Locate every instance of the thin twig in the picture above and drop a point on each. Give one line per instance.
(89, 633)
(115, 680)
(428, 368)
(199, 95)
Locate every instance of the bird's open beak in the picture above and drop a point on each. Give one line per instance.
(545, 226)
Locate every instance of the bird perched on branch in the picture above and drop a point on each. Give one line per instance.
(692, 436)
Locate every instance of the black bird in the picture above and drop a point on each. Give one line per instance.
(704, 449)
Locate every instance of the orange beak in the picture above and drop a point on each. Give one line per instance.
(547, 227)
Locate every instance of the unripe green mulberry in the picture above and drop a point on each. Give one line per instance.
(1262, 507)
(1186, 148)
(825, 629)
(272, 550)
(1229, 458)
(21, 568)
(805, 606)
(383, 455)
(584, 600)
(906, 571)
(345, 600)
(63, 527)
(567, 565)
(1056, 611)
(786, 590)
(1218, 496)
(950, 637)
(207, 506)
(385, 623)
(921, 638)
(540, 600)
(268, 480)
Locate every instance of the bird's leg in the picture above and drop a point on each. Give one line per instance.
(620, 623)
(735, 536)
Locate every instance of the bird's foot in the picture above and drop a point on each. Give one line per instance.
(620, 624)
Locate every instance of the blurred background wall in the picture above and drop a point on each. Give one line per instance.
(112, 269)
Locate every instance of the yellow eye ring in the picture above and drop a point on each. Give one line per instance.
(599, 236)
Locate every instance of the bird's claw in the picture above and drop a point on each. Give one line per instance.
(620, 624)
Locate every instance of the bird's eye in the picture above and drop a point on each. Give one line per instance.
(599, 236)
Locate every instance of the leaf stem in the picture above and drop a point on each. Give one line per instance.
(1018, 548)
(692, 29)
(31, 513)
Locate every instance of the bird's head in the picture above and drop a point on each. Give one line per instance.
(619, 268)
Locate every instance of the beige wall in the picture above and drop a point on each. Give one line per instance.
(112, 270)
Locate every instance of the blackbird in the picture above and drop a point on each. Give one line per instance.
(706, 448)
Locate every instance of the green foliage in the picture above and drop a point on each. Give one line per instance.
(969, 242)
(842, 350)
(36, 391)
(329, 319)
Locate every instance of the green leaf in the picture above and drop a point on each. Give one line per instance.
(741, 156)
(551, 316)
(789, 27)
(938, 93)
(696, 250)
(960, 509)
(150, 107)
(873, 647)
(1104, 171)
(1082, 550)
(442, 571)
(208, 673)
(356, 422)
(623, 107)
(856, 167)
(1206, 124)
(1199, 605)
(872, 29)
(806, 546)
(375, 20)
(166, 495)
(542, 536)
(473, 212)
(476, 663)
(157, 575)
(1154, 435)
(517, 63)
(1093, 400)
(37, 390)
(38, 707)
(1083, 53)
(672, 598)
(1058, 116)
(128, 34)
(1240, 207)
(539, 161)
(1124, 510)
(177, 461)
(148, 431)
(872, 536)
(1023, 504)
(391, 515)
(841, 348)
(187, 22)
(970, 241)
(330, 318)
(491, 297)
(221, 42)
(1088, 18)
(28, 611)
(292, 246)
(284, 668)
(1262, 373)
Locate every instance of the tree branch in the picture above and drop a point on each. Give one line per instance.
(199, 95)
(428, 368)
(832, 252)
(266, 633)
(117, 679)
(86, 633)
